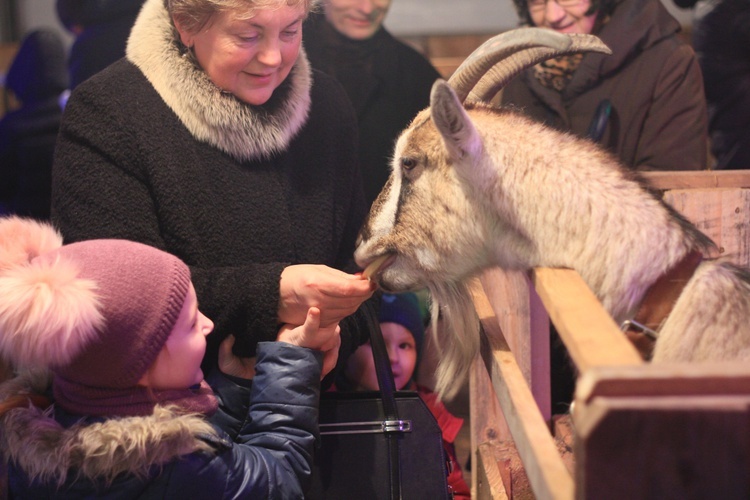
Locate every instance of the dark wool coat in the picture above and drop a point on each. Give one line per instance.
(658, 118)
(722, 41)
(150, 150)
(387, 81)
(258, 445)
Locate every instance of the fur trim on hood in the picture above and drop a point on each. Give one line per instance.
(243, 131)
(100, 451)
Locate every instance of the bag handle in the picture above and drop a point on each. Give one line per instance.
(388, 390)
(384, 373)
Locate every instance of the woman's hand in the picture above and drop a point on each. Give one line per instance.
(314, 336)
(231, 364)
(335, 293)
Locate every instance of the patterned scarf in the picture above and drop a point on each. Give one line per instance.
(557, 72)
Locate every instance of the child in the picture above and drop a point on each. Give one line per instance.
(403, 332)
(116, 326)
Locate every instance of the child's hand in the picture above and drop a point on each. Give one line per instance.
(231, 364)
(313, 336)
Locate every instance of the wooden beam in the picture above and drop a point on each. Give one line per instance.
(525, 324)
(693, 179)
(588, 331)
(487, 424)
(548, 476)
(490, 480)
(665, 379)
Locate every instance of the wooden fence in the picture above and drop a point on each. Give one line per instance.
(639, 430)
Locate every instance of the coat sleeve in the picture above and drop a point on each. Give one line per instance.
(675, 132)
(273, 458)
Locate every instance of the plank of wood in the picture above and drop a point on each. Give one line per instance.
(490, 483)
(665, 380)
(525, 324)
(722, 214)
(486, 424)
(546, 471)
(588, 331)
(693, 179)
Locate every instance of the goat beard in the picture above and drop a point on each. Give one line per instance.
(456, 334)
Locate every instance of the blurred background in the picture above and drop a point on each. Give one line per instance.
(436, 27)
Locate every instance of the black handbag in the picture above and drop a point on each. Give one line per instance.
(379, 445)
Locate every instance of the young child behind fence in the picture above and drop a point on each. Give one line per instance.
(403, 333)
(109, 398)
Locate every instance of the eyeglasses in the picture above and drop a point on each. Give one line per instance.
(540, 4)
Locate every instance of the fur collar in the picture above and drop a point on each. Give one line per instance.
(243, 131)
(46, 451)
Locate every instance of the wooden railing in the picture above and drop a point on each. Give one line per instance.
(639, 430)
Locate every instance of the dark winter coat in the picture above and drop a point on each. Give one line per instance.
(387, 81)
(104, 27)
(37, 78)
(722, 40)
(150, 150)
(653, 81)
(262, 447)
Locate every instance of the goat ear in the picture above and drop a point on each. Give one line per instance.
(449, 116)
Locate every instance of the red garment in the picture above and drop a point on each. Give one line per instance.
(450, 425)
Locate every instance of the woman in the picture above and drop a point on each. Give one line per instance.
(644, 102)
(116, 326)
(213, 140)
(387, 81)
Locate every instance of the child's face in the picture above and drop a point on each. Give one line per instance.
(402, 351)
(178, 365)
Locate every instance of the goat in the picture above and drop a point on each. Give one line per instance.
(473, 186)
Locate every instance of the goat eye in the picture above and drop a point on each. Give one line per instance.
(408, 163)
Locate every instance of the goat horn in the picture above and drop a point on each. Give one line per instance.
(501, 73)
(505, 55)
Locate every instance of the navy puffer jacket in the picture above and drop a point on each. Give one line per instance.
(266, 453)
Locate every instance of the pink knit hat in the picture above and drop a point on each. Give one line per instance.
(96, 313)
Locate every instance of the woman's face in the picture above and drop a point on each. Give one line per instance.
(248, 58)
(402, 352)
(178, 365)
(356, 19)
(563, 16)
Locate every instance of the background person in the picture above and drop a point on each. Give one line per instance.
(644, 102)
(722, 40)
(387, 81)
(116, 325)
(101, 29)
(215, 141)
(36, 79)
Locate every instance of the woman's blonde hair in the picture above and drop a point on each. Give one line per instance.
(194, 14)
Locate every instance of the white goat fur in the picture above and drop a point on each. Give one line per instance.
(477, 187)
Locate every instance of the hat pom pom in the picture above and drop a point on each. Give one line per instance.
(23, 239)
(47, 313)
